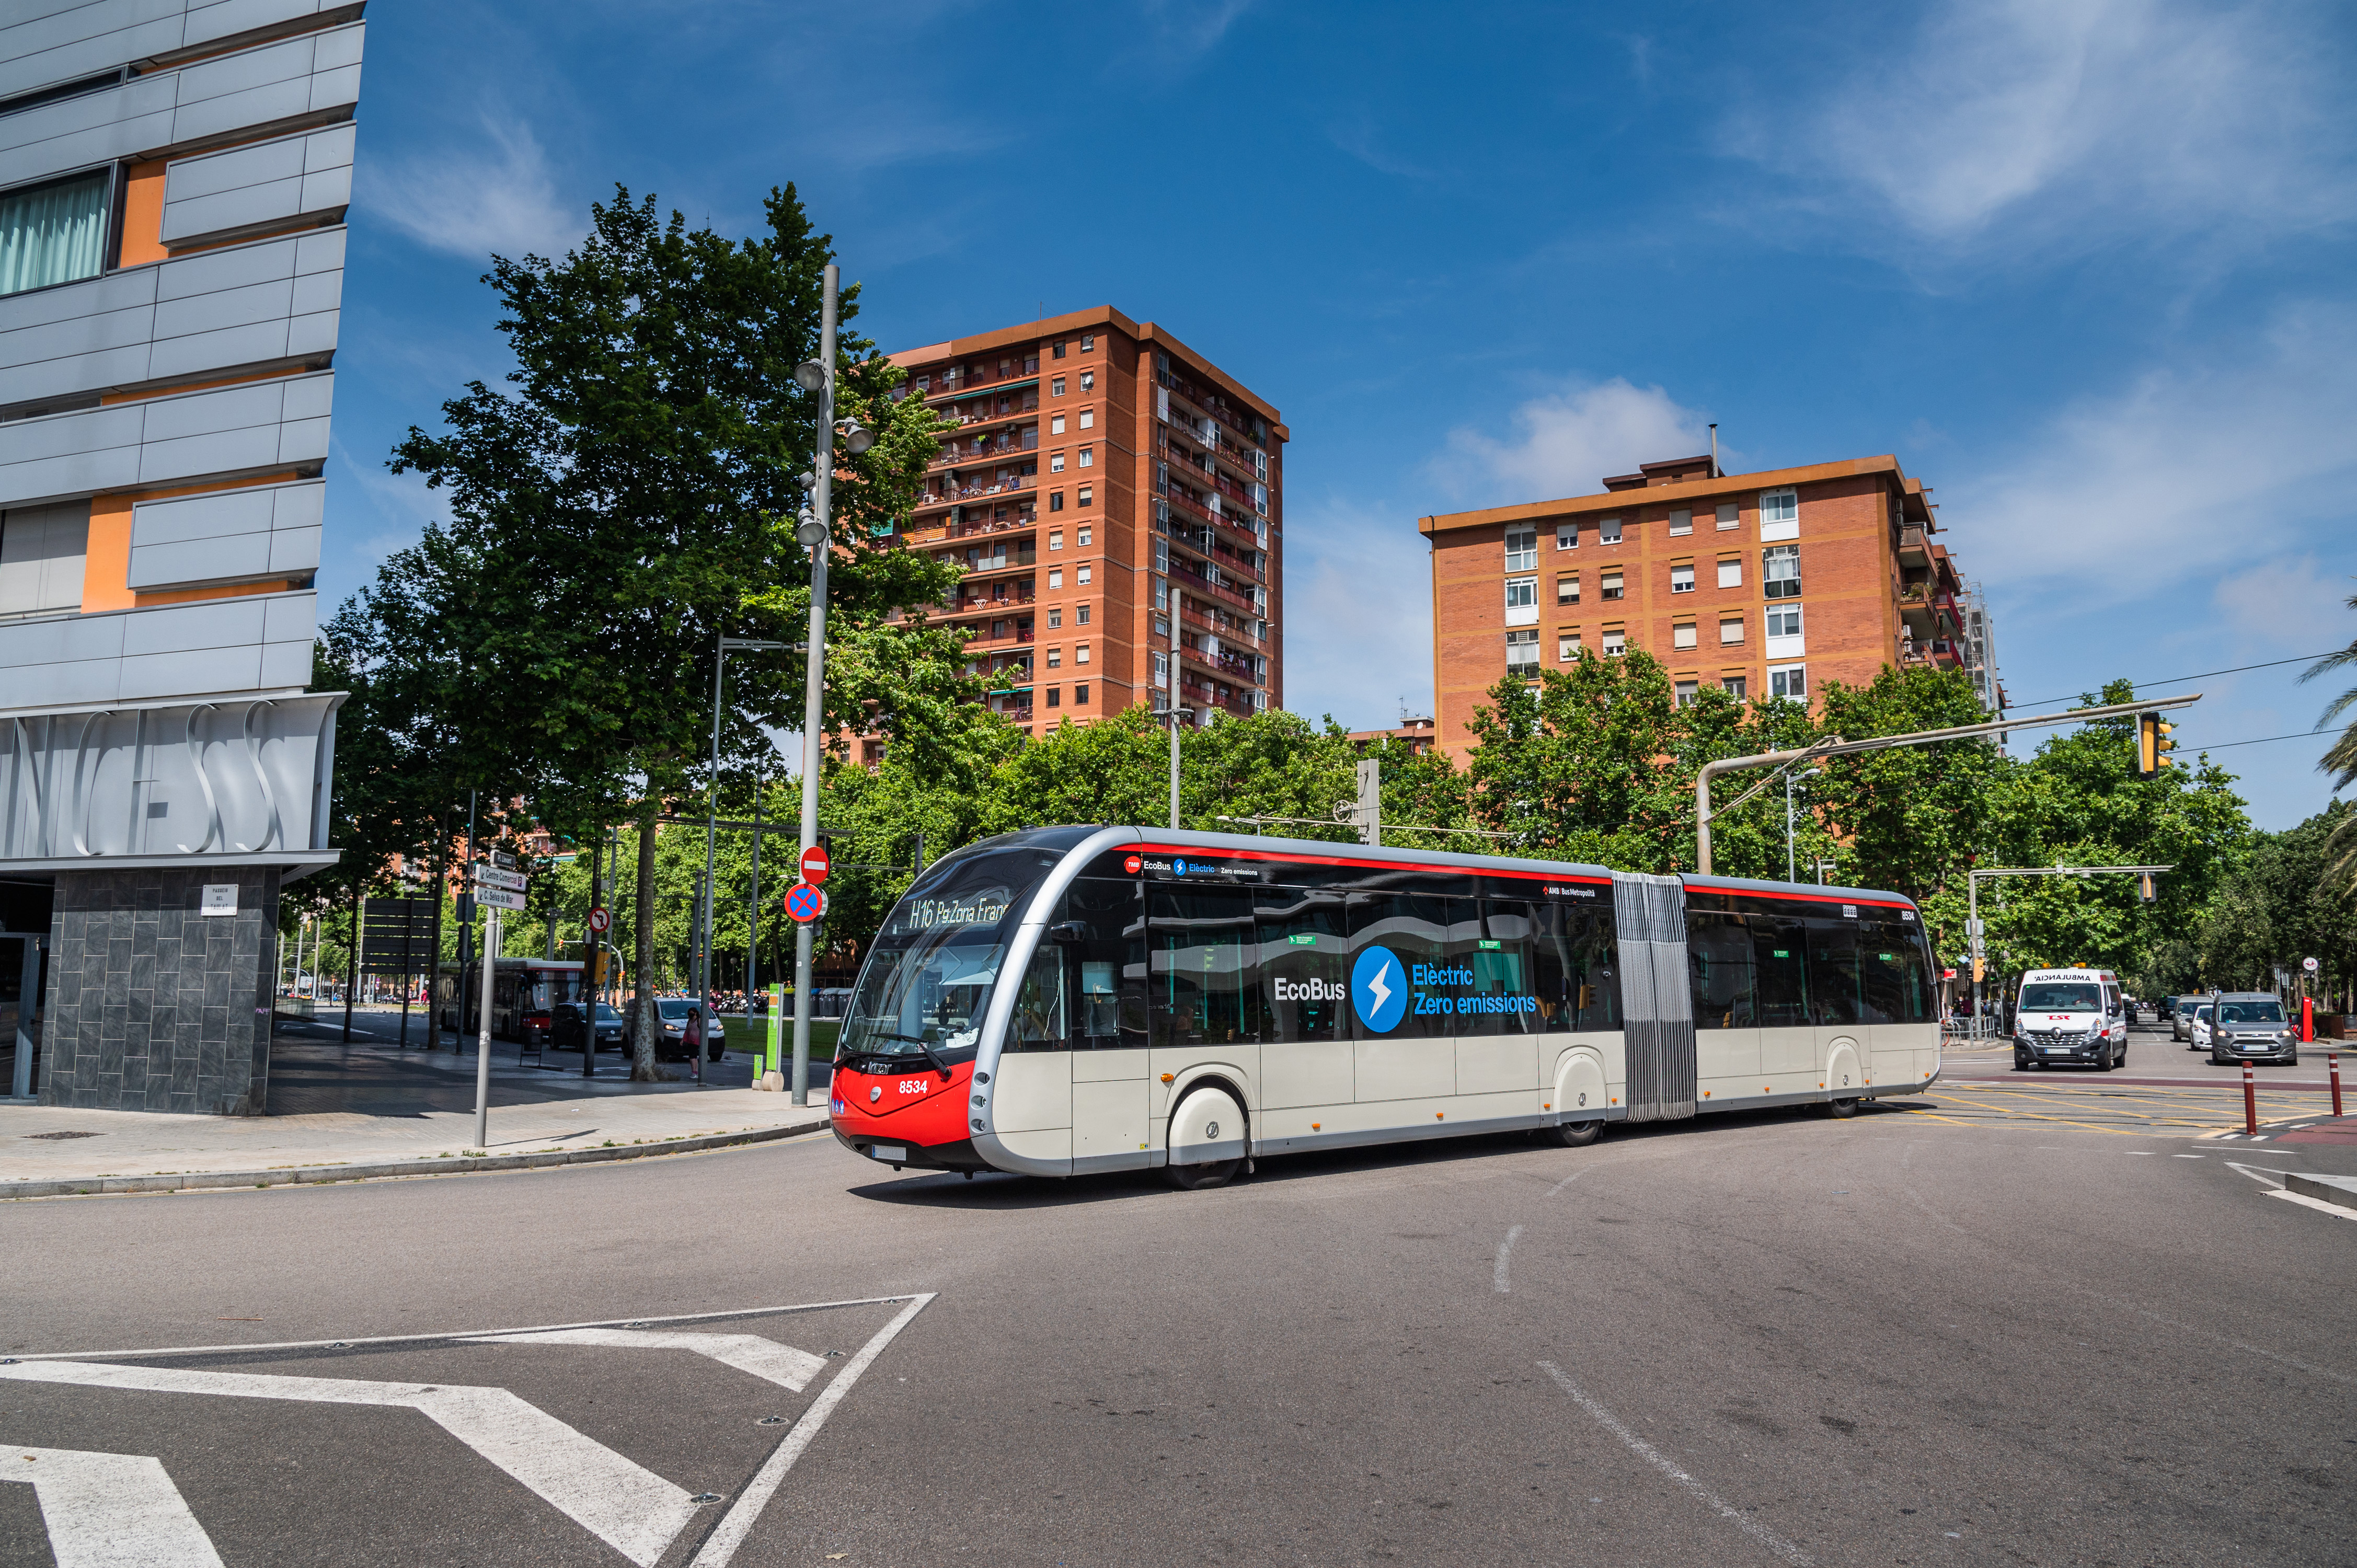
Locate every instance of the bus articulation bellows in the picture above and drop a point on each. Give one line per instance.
(1070, 999)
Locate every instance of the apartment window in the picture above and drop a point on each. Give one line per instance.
(1085, 533)
(1088, 497)
(1791, 681)
(1055, 616)
(1682, 519)
(1088, 456)
(1055, 658)
(1609, 530)
(1081, 617)
(1088, 342)
(1566, 589)
(1727, 518)
(1055, 696)
(1783, 624)
(1081, 653)
(1733, 686)
(1088, 418)
(1780, 572)
(1080, 695)
(1682, 578)
(1521, 652)
(998, 629)
(1616, 642)
(1055, 386)
(42, 551)
(1683, 635)
(53, 233)
(1780, 514)
(1566, 536)
(1161, 593)
(1521, 549)
(1522, 601)
(1055, 578)
(1056, 504)
(1687, 691)
(1161, 627)
(1161, 668)
(1088, 381)
(1056, 463)
(1084, 575)
(1731, 572)
(1056, 425)
(1730, 630)
(1058, 352)
(1566, 647)
(1055, 536)
(1611, 582)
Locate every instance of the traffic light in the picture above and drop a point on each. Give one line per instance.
(1980, 969)
(2153, 744)
(2145, 889)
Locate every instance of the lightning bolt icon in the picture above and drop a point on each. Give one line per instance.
(1378, 990)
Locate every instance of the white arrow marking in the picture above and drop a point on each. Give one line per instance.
(631, 1508)
(110, 1510)
(1382, 993)
(780, 1364)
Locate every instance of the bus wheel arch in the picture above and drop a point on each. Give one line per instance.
(1208, 1137)
(1579, 1101)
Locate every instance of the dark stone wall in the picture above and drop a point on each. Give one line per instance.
(154, 1005)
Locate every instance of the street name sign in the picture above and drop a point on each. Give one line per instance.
(492, 876)
(503, 859)
(499, 898)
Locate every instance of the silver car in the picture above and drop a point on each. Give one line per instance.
(2180, 1021)
(2245, 1026)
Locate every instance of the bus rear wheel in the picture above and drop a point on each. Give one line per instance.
(1573, 1134)
(1841, 1108)
(1212, 1173)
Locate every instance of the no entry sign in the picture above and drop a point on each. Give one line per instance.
(816, 865)
(601, 919)
(805, 903)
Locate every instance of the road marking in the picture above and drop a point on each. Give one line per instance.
(729, 1534)
(110, 1510)
(2315, 1203)
(780, 1364)
(629, 1507)
(1505, 1251)
(2189, 1156)
(1668, 1467)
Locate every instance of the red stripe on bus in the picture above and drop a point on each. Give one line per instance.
(1807, 897)
(1200, 851)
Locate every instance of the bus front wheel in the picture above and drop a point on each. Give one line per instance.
(1574, 1134)
(1841, 1108)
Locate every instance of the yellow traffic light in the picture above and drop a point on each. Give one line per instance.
(2161, 742)
(1979, 968)
(2145, 888)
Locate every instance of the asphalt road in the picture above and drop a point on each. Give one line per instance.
(1903, 1339)
(2153, 1055)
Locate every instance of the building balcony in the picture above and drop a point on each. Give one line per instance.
(1183, 576)
(990, 525)
(1914, 551)
(967, 455)
(1230, 666)
(950, 495)
(1225, 631)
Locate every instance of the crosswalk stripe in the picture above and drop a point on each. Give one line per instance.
(110, 1510)
(629, 1508)
(780, 1364)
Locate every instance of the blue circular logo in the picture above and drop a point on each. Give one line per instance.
(1379, 990)
(1178, 868)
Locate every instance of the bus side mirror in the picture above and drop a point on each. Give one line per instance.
(1069, 931)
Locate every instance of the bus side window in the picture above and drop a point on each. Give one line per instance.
(1718, 968)
(1305, 965)
(1502, 962)
(1414, 926)
(1833, 988)
(1105, 980)
(1890, 980)
(1205, 966)
(1599, 992)
(1039, 1011)
(1779, 971)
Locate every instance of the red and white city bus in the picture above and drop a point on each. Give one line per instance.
(1071, 999)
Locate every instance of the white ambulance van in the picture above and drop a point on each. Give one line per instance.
(2070, 1017)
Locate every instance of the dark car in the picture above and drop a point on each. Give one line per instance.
(571, 1023)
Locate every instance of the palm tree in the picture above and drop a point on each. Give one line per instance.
(2340, 759)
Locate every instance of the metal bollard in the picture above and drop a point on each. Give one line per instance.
(2250, 1101)
(2332, 1067)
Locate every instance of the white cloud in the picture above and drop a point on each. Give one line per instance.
(1187, 28)
(2186, 471)
(1564, 443)
(1357, 616)
(2014, 125)
(498, 195)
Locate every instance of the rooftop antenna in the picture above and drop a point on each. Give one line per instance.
(1715, 472)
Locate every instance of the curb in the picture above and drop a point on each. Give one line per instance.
(2336, 1190)
(320, 1175)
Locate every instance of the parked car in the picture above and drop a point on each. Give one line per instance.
(675, 1011)
(2247, 1026)
(572, 1021)
(2180, 1021)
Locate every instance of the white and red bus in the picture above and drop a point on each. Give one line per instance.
(1071, 999)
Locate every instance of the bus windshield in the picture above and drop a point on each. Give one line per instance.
(2062, 997)
(927, 979)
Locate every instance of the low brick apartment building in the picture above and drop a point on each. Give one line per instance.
(1117, 503)
(1764, 585)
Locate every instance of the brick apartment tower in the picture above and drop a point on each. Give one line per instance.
(173, 179)
(1766, 585)
(1116, 501)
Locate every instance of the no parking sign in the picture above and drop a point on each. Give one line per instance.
(805, 903)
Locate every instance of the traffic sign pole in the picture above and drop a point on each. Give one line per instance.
(483, 1035)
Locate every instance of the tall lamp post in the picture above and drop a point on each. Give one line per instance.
(1792, 872)
(712, 814)
(1176, 715)
(816, 532)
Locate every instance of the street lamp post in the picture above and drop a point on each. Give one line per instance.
(816, 533)
(1176, 715)
(1792, 872)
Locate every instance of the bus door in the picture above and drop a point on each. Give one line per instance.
(1726, 1030)
(1304, 998)
(1901, 1003)
(1206, 987)
(1404, 1049)
(1780, 978)
(1104, 975)
(1837, 997)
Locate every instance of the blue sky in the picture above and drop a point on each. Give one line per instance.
(2084, 265)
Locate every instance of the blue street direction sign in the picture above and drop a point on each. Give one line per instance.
(805, 903)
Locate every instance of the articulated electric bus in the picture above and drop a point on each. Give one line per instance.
(1065, 1001)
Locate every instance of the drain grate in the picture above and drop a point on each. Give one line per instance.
(54, 1137)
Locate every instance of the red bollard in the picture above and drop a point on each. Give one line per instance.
(2250, 1101)
(2308, 1020)
(2332, 1065)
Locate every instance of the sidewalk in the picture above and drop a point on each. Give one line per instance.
(368, 1110)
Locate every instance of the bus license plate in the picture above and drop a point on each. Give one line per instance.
(888, 1151)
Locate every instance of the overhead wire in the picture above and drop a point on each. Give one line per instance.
(2180, 679)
